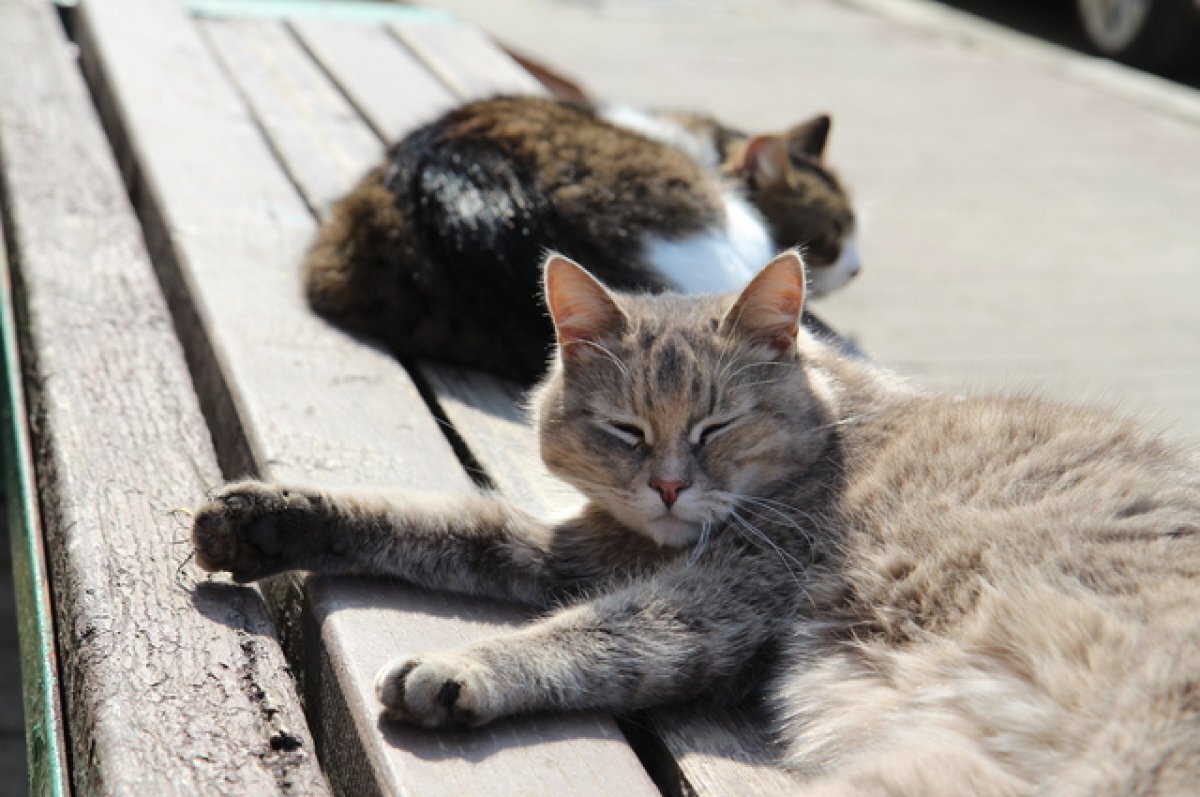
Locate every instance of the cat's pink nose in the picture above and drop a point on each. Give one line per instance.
(669, 489)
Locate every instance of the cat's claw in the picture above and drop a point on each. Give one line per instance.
(435, 692)
(239, 529)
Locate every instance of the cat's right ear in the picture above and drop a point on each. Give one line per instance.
(583, 311)
(768, 309)
(808, 139)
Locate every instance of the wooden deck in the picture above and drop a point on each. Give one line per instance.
(232, 136)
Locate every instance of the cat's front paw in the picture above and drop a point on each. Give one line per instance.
(248, 529)
(437, 691)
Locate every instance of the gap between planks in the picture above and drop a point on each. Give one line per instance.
(318, 407)
(718, 752)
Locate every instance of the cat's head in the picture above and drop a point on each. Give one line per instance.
(802, 200)
(670, 412)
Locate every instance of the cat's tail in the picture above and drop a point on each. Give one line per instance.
(369, 272)
(352, 271)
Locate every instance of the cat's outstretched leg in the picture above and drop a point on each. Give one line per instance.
(653, 642)
(477, 544)
(692, 628)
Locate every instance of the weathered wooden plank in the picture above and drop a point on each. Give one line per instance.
(489, 413)
(719, 751)
(266, 55)
(714, 751)
(171, 687)
(467, 61)
(317, 406)
(553, 80)
(375, 74)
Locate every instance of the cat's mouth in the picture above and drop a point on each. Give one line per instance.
(832, 276)
(672, 531)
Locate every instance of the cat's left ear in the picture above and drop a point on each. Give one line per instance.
(582, 309)
(769, 307)
(765, 161)
(808, 139)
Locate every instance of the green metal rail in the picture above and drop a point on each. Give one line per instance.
(44, 734)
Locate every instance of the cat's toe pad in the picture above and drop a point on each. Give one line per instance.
(239, 531)
(443, 691)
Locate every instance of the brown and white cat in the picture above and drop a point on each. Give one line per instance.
(955, 596)
(461, 212)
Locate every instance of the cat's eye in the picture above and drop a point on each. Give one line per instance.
(631, 434)
(705, 431)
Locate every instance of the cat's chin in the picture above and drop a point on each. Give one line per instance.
(672, 532)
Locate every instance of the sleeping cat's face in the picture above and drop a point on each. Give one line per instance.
(802, 200)
(674, 412)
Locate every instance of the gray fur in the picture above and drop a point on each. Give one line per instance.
(972, 596)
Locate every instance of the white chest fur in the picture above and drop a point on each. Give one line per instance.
(726, 256)
(720, 259)
(668, 132)
(823, 281)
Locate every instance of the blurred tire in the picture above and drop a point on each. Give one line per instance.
(1159, 35)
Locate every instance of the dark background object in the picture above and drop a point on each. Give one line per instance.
(1161, 36)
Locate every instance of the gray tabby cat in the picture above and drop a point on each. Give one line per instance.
(959, 596)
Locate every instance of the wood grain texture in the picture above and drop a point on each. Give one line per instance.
(465, 58)
(266, 55)
(313, 404)
(714, 751)
(172, 687)
(387, 84)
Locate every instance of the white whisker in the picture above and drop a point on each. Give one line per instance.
(725, 379)
(761, 382)
(845, 421)
(607, 353)
(779, 516)
(705, 532)
(744, 525)
(784, 556)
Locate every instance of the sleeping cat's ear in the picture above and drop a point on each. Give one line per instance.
(808, 139)
(769, 307)
(582, 309)
(765, 161)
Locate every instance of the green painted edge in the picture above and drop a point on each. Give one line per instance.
(347, 10)
(45, 743)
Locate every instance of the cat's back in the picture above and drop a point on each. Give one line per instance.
(555, 137)
(1009, 451)
(1005, 491)
(530, 173)
(1018, 572)
(437, 250)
